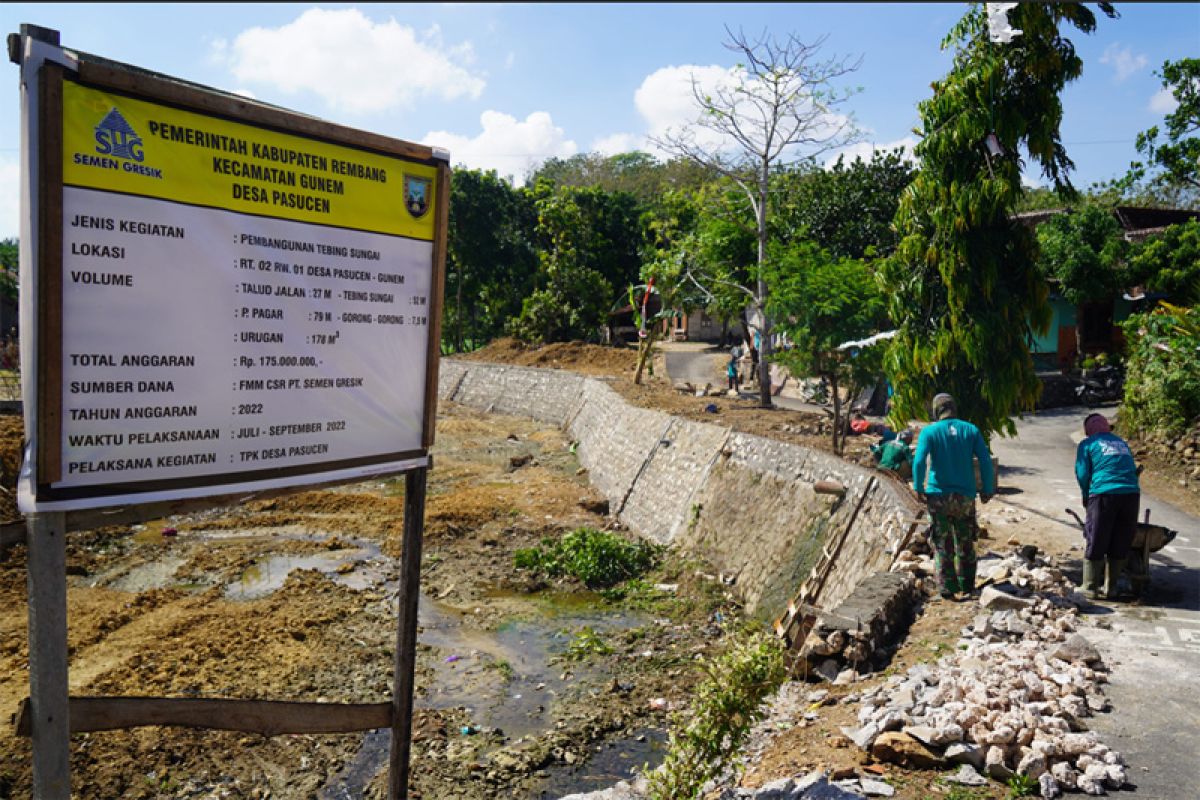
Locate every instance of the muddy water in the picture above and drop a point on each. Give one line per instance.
(506, 681)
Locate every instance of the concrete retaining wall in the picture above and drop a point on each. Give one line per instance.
(744, 503)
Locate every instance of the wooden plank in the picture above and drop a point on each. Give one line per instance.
(266, 717)
(49, 716)
(436, 301)
(49, 270)
(406, 634)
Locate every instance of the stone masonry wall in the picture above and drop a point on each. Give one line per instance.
(744, 503)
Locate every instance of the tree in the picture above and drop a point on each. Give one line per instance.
(963, 287)
(1170, 263)
(490, 260)
(781, 100)
(638, 173)
(572, 295)
(1084, 252)
(1177, 154)
(848, 208)
(821, 301)
(9, 268)
(1162, 384)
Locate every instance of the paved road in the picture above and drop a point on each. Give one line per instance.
(1152, 648)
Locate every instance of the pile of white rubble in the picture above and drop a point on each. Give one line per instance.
(1012, 698)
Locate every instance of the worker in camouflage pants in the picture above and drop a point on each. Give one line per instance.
(948, 486)
(952, 532)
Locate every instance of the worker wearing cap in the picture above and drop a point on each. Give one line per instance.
(948, 487)
(1108, 480)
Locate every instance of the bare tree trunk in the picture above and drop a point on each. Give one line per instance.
(764, 348)
(647, 346)
(458, 314)
(838, 433)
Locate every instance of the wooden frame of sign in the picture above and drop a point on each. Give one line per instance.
(49, 716)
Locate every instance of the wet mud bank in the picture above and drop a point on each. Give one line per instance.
(525, 687)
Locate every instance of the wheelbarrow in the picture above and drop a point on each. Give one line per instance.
(1147, 539)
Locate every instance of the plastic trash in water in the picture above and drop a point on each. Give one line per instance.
(452, 659)
(467, 730)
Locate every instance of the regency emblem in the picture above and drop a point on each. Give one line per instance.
(416, 195)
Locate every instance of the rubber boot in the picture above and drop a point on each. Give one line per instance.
(1093, 574)
(1115, 566)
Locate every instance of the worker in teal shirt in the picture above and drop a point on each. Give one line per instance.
(948, 486)
(1108, 481)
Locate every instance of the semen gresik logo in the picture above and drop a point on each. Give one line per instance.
(116, 137)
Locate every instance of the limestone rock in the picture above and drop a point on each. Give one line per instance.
(1049, 788)
(964, 753)
(967, 776)
(1077, 649)
(995, 598)
(994, 764)
(900, 748)
(874, 788)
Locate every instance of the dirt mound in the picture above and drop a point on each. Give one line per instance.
(590, 359)
(12, 440)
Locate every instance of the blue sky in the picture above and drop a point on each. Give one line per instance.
(505, 86)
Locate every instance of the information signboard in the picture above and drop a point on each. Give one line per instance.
(226, 303)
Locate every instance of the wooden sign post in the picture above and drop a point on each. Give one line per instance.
(221, 299)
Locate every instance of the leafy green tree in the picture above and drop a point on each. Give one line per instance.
(963, 287)
(1176, 155)
(1170, 263)
(1162, 382)
(1084, 253)
(572, 295)
(640, 174)
(848, 208)
(782, 99)
(490, 260)
(9, 268)
(821, 301)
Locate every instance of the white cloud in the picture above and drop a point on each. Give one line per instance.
(10, 198)
(509, 60)
(1123, 61)
(617, 143)
(1163, 102)
(511, 147)
(865, 150)
(352, 62)
(249, 95)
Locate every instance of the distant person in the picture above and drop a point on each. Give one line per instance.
(948, 487)
(894, 455)
(731, 372)
(1108, 480)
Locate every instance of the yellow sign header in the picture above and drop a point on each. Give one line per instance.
(118, 144)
